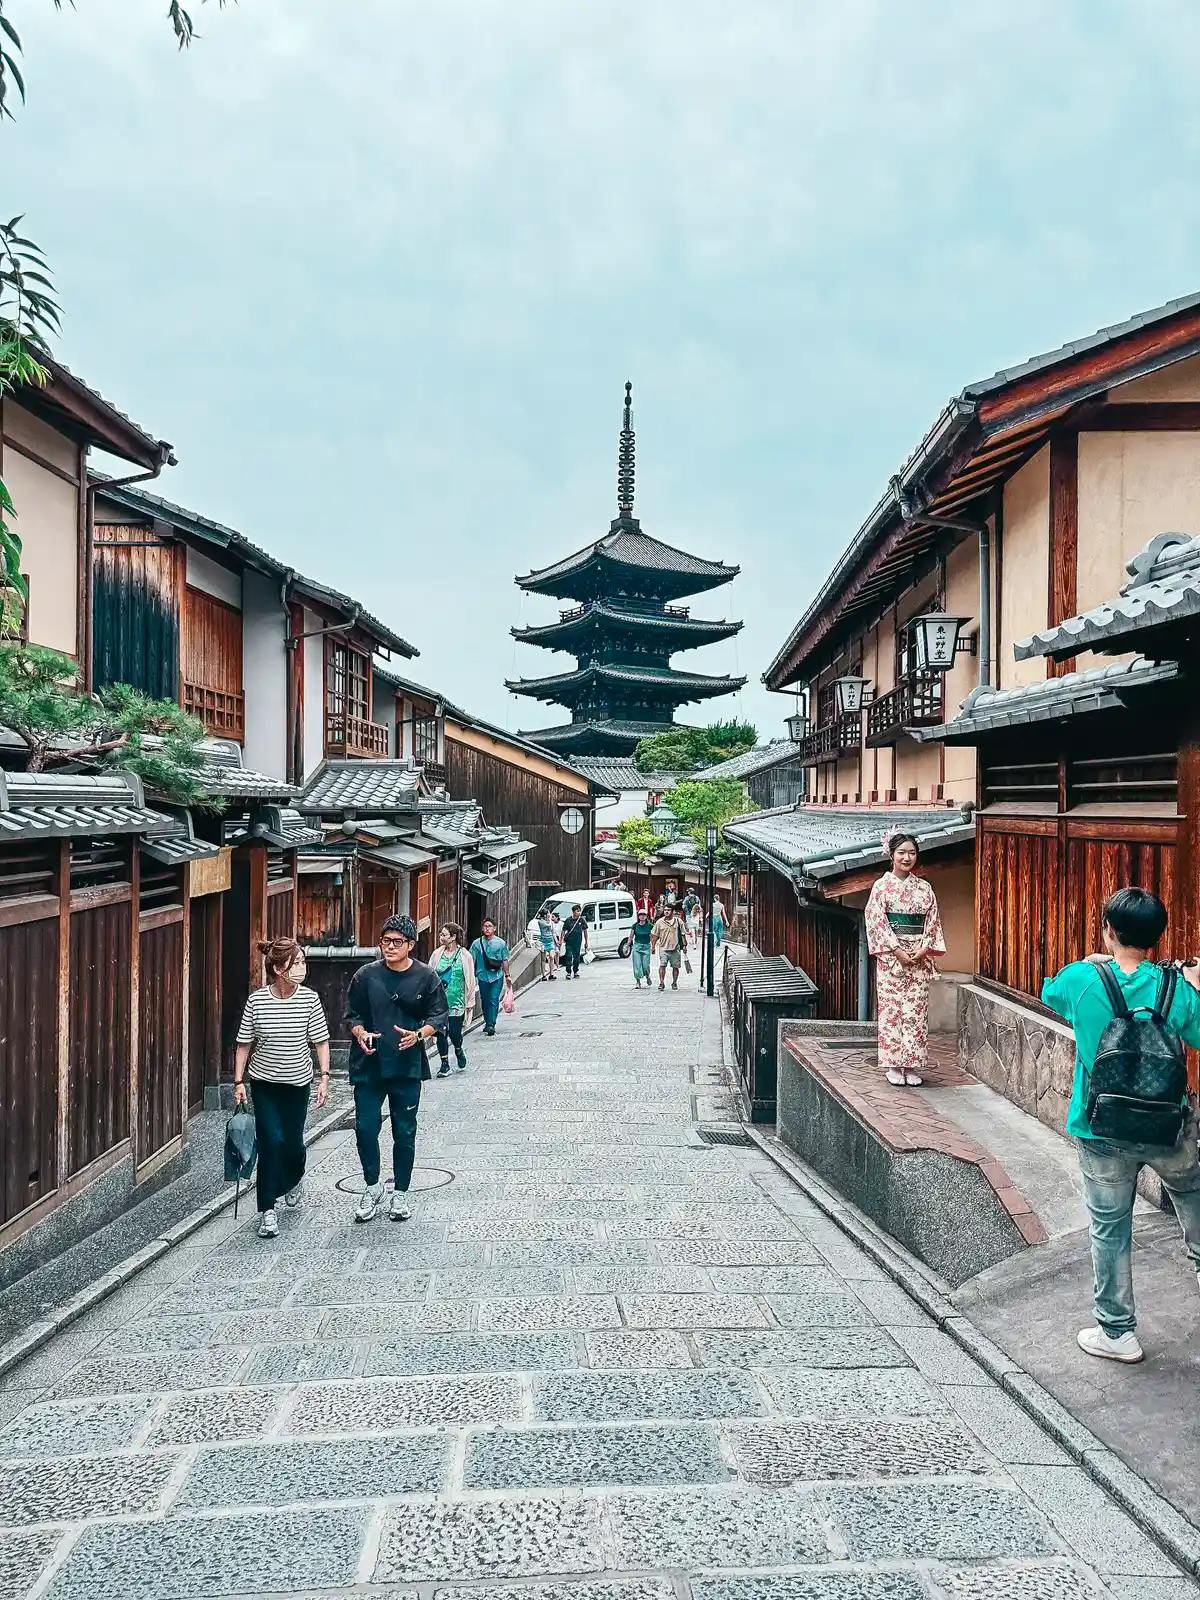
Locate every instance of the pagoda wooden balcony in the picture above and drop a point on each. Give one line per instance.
(840, 737)
(681, 613)
(916, 702)
(355, 736)
(222, 712)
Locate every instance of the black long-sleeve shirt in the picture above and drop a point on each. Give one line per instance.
(382, 1000)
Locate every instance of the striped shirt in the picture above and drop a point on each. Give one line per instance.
(283, 1033)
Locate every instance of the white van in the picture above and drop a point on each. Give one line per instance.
(609, 915)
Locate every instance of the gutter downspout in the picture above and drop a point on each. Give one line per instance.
(864, 970)
(92, 488)
(985, 606)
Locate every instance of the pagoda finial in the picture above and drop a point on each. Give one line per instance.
(625, 459)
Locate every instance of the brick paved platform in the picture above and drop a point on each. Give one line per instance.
(604, 1361)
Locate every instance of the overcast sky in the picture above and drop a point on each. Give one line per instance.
(380, 270)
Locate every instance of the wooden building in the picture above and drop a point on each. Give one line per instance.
(773, 774)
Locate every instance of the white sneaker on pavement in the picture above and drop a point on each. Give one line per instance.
(294, 1196)
(372, 1197)
(1123, 1348)
(268, 1227)
(401, 1210)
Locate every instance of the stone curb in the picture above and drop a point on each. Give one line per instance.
(1169, 1529)
(39, 1334)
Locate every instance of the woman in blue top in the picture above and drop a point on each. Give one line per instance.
(1133, 922)
(490, 955)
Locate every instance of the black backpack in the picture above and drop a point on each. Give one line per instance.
(1138, 1088)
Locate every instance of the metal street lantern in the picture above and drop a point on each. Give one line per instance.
(797, 727)
(849, 691)
(935, 640)
(708, 952)
(712, 836)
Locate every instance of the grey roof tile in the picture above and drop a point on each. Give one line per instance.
(700, 683)
(1165, 589)
(823, 841)
(618, 773)
(630, 547)
(1097, 689)
(63, 805)
(352, 785)
(760, 759)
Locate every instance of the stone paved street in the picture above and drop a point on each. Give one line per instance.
(606, 1361)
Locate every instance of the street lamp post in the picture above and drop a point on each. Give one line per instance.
(712, 890)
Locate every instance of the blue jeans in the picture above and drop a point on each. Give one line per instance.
(641, 962)
(403, 1096)
(489, 999)
(1110, 1173)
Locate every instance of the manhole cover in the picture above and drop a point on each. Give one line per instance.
(722, 1136)
(422, 1178)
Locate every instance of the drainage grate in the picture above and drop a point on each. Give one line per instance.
(535, 1034)
(845, 1044)
(723, 1135)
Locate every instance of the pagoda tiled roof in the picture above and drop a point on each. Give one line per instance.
(600, 735)
(594, 615)
(672, 684)
(625, 545)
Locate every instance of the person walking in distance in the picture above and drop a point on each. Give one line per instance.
(558, 932)
(457, 971)
(393, 1006)
(546, 939)
(490, 955)
(1131, 1020)
(667, 940)
(643, 932)
(282, 1027)
(575, 941)
(645, 902)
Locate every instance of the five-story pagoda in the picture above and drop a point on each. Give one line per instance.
(623, 631)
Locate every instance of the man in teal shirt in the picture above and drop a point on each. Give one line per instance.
(1133, 922)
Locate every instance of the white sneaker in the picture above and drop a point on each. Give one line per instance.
(294, 1196)
(372, 1197)
(1098, 1343)
(268, 1228)
(401, 1210)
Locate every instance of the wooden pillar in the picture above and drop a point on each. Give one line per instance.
(1062, 587)
(135, 976)
(1185, 913)
(185, 980)
(63, 1131)
(258, 913)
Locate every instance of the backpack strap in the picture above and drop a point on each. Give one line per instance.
(1165, 998)
(1113, 989)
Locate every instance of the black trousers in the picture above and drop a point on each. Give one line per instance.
(572, 954)
(451, 1034)
(403, 1096)
(279, 1113)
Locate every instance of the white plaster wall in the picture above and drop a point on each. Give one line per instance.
(24, 428)
(1180, 381)
(314, 696)
(212, 578)
(1132, 486)
(1024, 597)
(47, 522)
(264, 671)
(609, 813)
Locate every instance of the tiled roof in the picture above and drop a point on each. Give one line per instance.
(399, 856)
(613, 611)
(499, 849)
(481, 882)
(278, 825)
(698, 683)
(618, 773)
(819, 842)
(1098, 689)
(224, 774)
(180, 845)
(1165, 589)
(45, 805)
(569, 733)
(760, 759)
(146, 445)
(630, 547)
(370, 786)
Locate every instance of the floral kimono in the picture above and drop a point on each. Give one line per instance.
(903, 911)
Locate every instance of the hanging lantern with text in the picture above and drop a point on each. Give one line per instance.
(849, 693)
(797, 726)
(935, 640)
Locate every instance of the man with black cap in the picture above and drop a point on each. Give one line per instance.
(393, 1006)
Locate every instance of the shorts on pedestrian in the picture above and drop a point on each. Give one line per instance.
(669, 958)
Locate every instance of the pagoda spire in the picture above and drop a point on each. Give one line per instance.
(625, 460)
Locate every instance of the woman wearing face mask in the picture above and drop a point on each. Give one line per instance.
(282, 1026)
(904, 933)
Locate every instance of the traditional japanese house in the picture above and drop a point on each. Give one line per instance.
(1022, 503)
(623, 791)
(623, 631)
(772, 774)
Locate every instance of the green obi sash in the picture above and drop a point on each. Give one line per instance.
(906, 923)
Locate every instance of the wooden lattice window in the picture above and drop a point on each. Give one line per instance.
(425, 736)
(347, 681)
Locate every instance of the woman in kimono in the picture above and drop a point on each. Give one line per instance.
(904, 933)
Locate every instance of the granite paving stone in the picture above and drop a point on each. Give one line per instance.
(255, 1294)
(745, 1252)
(1092, 1524)
(189, 1558)
(471, 1352)
(497, 1283)
(808, 1450)
(634, 1589)
(936, 1355)
(576, 1457)
(629, 1396)
(572, 1253)
(68, 1428)
(1040, 1581)
(813, 1347)
(68, 1490)
(366, 1407)
(692, 1311)
(875, 1392)
(654, 1348)
(165, 1335)
(368, 1288)
(642, 1280)
(944, 1521)
(549, 1311)
(1003, 1427)
(294, 1363)
(407, 1316)
(192, 1369)
(207, 1416)
(813, 1586)
(292, 1471)
(515, 1537)
(22, 1558)
(842, 1310)
(701, 1528)
(775, 1280)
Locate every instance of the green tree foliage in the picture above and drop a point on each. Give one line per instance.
(637, 837)
(41, 702)
(687, 749)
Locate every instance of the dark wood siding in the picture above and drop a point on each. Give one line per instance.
(446, 906)
(281, 911)
(325, 911)
(160, 1038)
(100, 1034)
(28, 1064)
(512, 795)
(204, 984)
(824, 944)
(135, 610)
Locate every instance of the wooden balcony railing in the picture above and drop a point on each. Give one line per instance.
(842, 736)
(355, 736)
(222, 713)
(639, 608)
(915, 702)
(435, 771)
